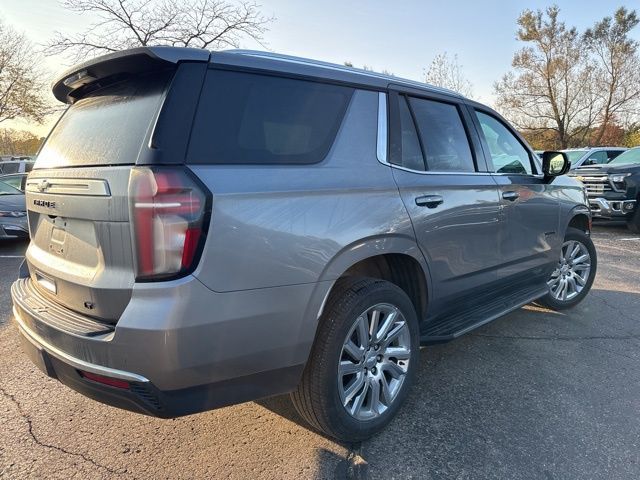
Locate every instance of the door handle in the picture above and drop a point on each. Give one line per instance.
(511, 196)
(429, 201)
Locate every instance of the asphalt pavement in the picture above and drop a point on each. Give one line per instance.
(534, 395)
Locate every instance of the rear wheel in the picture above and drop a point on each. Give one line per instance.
(575, 272)
(363, 361)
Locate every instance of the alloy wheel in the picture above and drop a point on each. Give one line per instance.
(374, 361)
(572, 273)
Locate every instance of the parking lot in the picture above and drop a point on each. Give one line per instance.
(536, 394)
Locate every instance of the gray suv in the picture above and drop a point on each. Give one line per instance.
(212, 228)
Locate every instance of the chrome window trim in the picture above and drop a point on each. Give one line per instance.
(423, 172)
(382, 140)
(382, 149)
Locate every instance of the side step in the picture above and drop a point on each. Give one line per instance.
(452, 326)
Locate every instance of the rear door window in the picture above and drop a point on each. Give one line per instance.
(443, 136)
(246, 118)
(106, 127)
(411, 151)
(12, 167)
(598, 158)
(611, 154)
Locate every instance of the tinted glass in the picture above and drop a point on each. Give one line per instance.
(14, 180)
(6, 189)
(246, 118)
(411, 151)
(445, 142)
(507, 153)
(107, 127)
(597, 158)
(575, 155)
(9, 167)
(630, 156)
(613, 154)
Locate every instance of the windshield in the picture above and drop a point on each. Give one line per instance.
(630, 156)
(575, 155)
(6, 189)
(107, 127)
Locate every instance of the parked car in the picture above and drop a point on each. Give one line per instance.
(13, 213)
(16, 180)
(16, 166)
(592, 156)
(614, 188)
(248, 224)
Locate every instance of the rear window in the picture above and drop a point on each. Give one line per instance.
(108, 126)
(246, 118)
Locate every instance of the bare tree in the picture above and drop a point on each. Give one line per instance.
(617, 71)
(19, 142)
(367, 68)
(447, 73)
(121, 24)
(21, 85)
(549, 89)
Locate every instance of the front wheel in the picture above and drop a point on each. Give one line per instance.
(363, 360)
(575, 272)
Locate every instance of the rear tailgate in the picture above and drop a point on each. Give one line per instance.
(81, 253)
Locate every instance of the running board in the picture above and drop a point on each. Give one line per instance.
(453, 326)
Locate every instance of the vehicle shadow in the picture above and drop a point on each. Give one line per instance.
(528, 390)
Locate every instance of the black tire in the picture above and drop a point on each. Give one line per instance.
(317, 397)
(579, 236)
(633, 224)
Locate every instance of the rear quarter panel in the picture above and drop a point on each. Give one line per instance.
(284, 225)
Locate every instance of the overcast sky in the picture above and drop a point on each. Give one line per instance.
(401, 36)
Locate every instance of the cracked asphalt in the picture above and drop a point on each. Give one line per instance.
(536, 394)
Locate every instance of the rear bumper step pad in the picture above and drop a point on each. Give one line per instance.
(27, 297)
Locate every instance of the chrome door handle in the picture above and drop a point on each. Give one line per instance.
(429, 201)
(511, 196)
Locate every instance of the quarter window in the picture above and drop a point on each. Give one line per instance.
(507, 153)
(245, 118)
(444, 139)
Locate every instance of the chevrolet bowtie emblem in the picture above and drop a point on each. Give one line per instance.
(43, 185)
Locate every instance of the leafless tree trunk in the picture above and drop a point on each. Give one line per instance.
(21, 84)
(447, 73)
(210, 24)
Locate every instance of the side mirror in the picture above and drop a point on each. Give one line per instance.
(590, 161)
(555, 164)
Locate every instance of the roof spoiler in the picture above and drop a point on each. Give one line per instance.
(70, 85)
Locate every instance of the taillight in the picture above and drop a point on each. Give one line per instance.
(168, 215)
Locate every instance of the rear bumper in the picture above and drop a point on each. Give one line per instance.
(176, 356)
(614, 209)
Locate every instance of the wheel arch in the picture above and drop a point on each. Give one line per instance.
(580, 220)
(397, 259)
